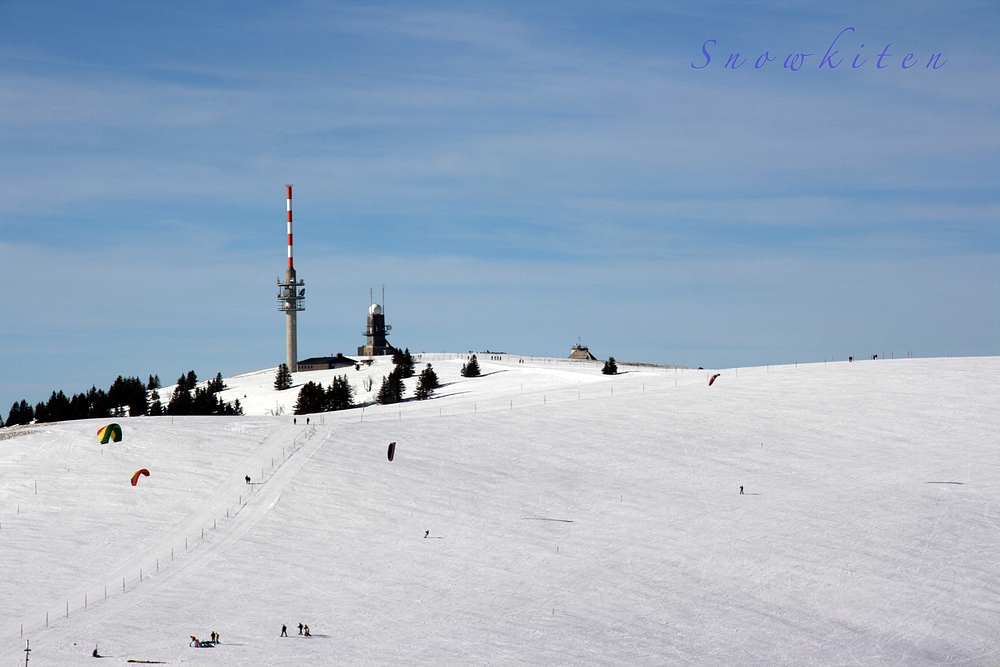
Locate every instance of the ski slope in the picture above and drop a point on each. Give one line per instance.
(573, 518)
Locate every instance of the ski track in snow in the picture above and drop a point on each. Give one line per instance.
(218, 540)
(204, 531)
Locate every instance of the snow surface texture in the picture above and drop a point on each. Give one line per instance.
(573, 518)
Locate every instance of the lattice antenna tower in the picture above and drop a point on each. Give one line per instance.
(291, 297)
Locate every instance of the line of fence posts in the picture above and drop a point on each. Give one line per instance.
(86, 596)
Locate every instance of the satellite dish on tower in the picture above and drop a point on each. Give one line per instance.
(388, 327)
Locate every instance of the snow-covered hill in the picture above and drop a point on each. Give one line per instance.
(571, 518)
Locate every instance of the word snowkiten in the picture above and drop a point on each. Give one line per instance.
(832, 59)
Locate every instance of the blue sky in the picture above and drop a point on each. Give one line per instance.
(519, 176)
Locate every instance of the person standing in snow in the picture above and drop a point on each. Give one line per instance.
(307, 632)
(741, 490)
(300, 628)
(284, 631)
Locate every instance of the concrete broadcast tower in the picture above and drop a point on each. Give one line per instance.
(291, 295)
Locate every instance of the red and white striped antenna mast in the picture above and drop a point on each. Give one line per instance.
(288, 188)
(291, 294)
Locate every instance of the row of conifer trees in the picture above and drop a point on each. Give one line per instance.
(313, 397)
(127, 396)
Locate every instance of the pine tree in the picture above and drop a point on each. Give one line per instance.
(205, 402)
(427, 383)
(155, 406)
(283, 378)
(406, 364)
(154, 382)
(79, 408)
(20, 414)
(392, 388)
(180, 402)
(340, 395)
(57, 408)
(217, 384)
(311, 399)
(471, 369)
(610, 367)
(129, 392)
(14, 416)
(98, 403)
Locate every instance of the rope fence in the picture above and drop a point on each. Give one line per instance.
(150, 566)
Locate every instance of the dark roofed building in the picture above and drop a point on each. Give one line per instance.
(324, 363)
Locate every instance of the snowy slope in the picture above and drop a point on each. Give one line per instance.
(574, 519)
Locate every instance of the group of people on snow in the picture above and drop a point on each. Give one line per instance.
(303, 630)
(197, 643)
